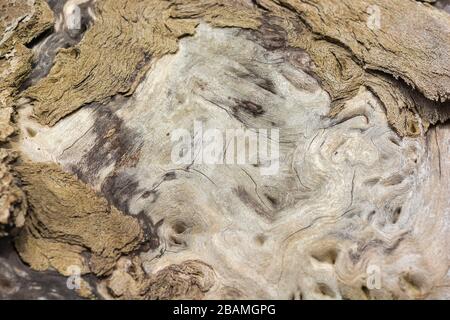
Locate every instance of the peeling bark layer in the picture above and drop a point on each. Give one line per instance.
(142, 31)
(342, 59)
(20, 23)
(67, 218)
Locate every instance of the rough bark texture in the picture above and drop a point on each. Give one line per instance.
(361, 107)
(66, 218)
(20, 23)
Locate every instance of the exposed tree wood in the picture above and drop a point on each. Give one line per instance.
(363, 172)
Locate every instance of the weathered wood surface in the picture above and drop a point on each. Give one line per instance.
(363, 175)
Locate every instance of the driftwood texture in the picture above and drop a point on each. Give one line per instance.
(87, 175)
